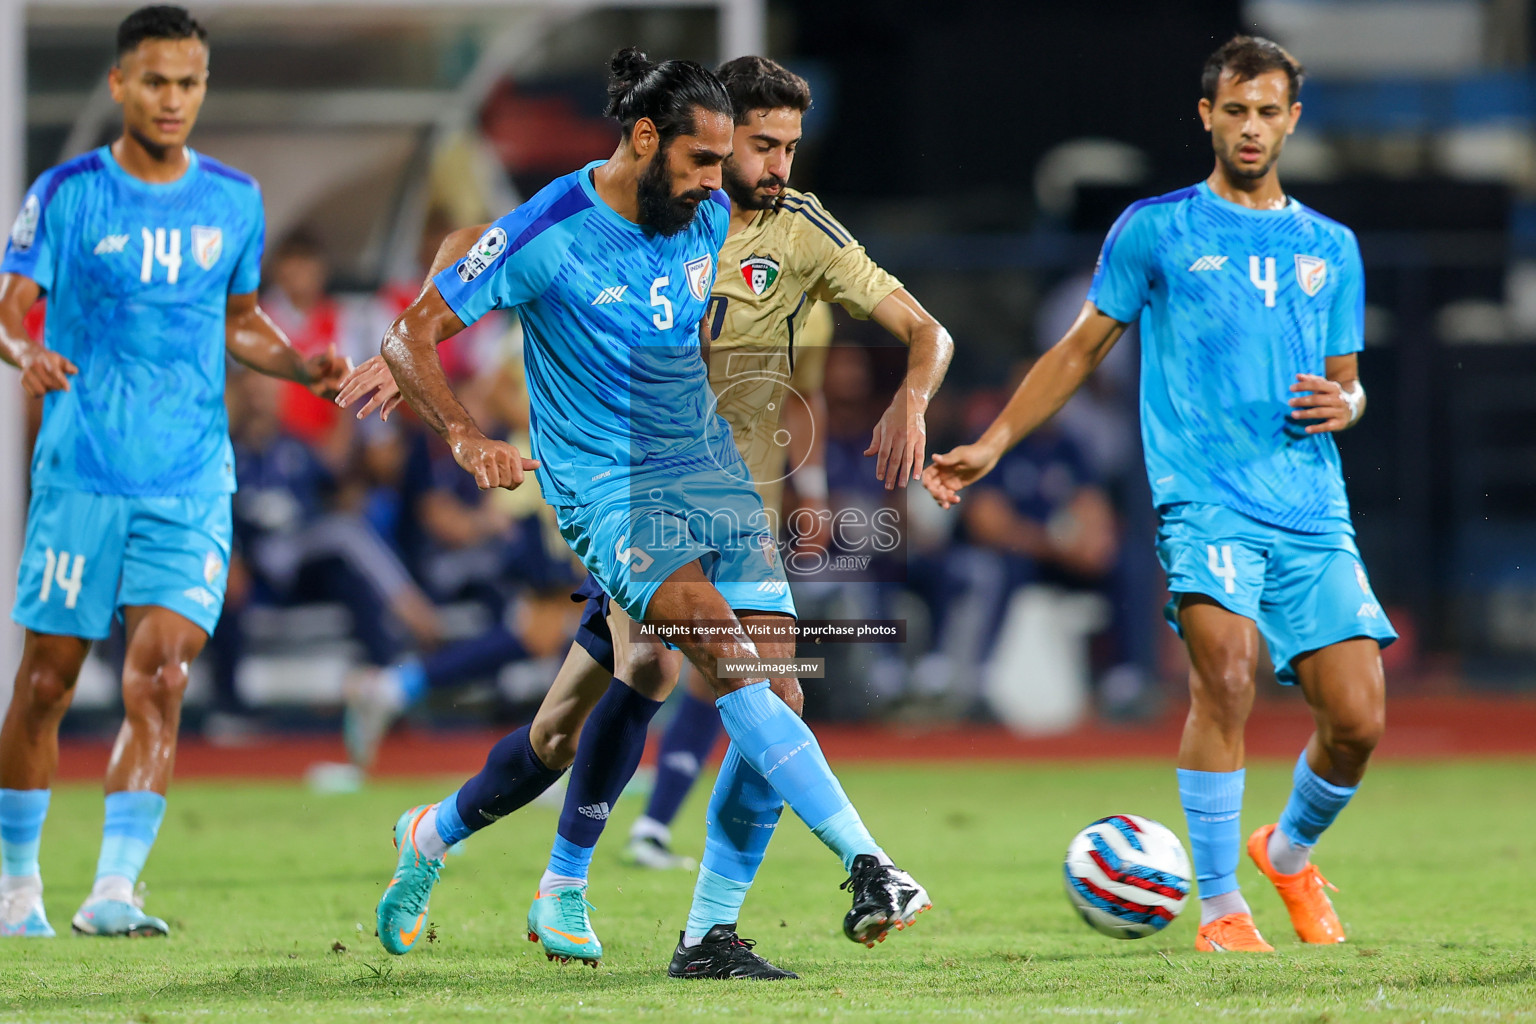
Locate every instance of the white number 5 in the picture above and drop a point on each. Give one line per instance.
(662, 320)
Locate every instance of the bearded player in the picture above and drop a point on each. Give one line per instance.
(783, 259)
(1251, 309)
(609, 268)
(150, 255)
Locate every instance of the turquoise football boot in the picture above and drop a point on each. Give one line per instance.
(559, 921)
(22, 915)
(403, 907)
(117, 918)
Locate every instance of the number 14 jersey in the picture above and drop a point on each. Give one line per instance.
(137, 277)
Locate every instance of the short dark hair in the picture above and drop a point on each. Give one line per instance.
(161, 21)
(666, 93)
(757, 83)
(1248, 57)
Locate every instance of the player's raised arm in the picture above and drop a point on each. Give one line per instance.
(372, 380)
(42, 371)
(900, 440)
(1044, 390)
(410, 352)
(253, 340)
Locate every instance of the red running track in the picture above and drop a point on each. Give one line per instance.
(1417, 728)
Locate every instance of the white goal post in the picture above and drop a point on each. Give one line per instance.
(742, 29)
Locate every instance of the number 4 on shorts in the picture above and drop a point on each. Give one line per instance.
(1222, 567)
(58, 568)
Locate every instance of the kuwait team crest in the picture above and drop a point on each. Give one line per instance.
(760, 272)
(207, 246)
(1311, 273)
(698, 274)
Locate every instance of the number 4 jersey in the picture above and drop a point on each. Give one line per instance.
(1233, 303)
(137, 276)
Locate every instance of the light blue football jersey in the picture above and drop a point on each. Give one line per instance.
(618, 389)
(1233, 303)
(137, 276)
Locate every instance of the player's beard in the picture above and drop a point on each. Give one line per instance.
(1237, 170)
(660, 210)
(745, 196)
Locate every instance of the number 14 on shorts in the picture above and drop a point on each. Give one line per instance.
(68, 577)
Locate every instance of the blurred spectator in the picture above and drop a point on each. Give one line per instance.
(292, 548)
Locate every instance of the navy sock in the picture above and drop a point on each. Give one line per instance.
(513, 775)
(479, 657)
(685, 745)
(606, 758)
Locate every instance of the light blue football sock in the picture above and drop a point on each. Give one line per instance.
(133, 821)
(450, 824)
(568, 861)
(21, 829)
(1313, 804)
(779, 746)
(1213, 803)
(744, 811)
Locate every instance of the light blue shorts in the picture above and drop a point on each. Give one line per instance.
(87, 556)
(1304, 590)
(632, 541)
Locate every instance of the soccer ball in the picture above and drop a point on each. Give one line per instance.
(1127, 876)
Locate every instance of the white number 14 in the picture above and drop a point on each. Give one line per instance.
(156, 250)
(58, 568)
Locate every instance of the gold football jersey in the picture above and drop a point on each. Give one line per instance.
(769, 329)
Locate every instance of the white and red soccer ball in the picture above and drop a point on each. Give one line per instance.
(1127, 876)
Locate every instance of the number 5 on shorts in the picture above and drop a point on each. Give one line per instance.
(69, 581)
(1223, 568)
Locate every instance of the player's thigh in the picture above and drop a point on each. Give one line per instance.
(1347, 690)
(1223, 653)
(1318, 595)
(631, 543)
(1212, 552)
(578, 686)
(773, 636)
(177, 556)
(71, 563)
(728, 519)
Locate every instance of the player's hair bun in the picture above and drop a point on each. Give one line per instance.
(626, 68)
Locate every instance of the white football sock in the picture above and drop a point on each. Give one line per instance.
(649, 828)
(1212, 907)
(1287, 857)
(428, 843)
(550, 882)
(112, 887)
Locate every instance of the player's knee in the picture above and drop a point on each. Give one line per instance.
(651, 670)
(44, 688)
(1224, 690)
(156, 688)
(790, 693)
(1353, 737)
(553, 744)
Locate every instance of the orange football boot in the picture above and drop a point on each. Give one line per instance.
(1234, 933)
(1311, 910)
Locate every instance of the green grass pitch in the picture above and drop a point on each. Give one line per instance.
(270, 891)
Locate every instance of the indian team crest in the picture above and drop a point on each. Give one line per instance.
(213, 568)
(207, 246)
(1360, 578)
(1311, 273)
(698, 273)
(760, 272)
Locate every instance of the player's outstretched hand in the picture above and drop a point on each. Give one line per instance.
(43, 370)
(374, 382)
(327, 371)
(899, 443)
(956, 469)
(491, 463)
(1320, 399)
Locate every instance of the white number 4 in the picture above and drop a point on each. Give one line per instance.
(1267, 283)
(69, 581)
(1223, 568)
(662, 320)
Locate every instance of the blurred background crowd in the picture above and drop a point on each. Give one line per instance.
(979, 151)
